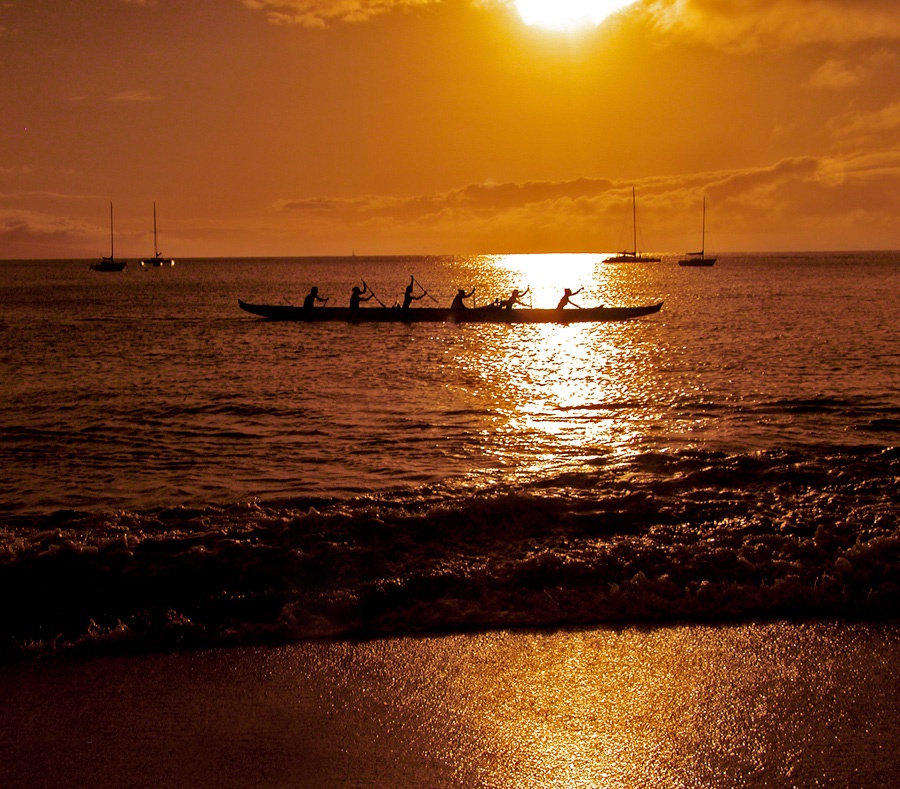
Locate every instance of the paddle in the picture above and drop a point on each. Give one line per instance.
(575, 294)
(373, 295)
(424, 292)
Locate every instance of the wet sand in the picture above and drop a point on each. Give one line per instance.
(748, 705)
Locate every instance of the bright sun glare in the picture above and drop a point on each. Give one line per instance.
(565, 14)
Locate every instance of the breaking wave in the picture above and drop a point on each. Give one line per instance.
(658, 537)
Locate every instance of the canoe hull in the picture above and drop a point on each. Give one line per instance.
(284, 312)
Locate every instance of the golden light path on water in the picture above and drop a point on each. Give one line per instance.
(563, 393)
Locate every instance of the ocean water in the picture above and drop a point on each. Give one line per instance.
(175, 472)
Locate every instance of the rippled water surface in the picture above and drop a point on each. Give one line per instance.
(151, 388)
(197, 472)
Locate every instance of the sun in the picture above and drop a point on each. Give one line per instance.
(567, 14)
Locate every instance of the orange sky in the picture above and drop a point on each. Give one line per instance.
(302, 127)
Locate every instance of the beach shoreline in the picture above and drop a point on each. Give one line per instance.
(778, 703)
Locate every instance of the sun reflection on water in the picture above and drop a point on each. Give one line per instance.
(563, 394)
(546, 276)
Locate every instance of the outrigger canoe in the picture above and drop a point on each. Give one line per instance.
(487, 314)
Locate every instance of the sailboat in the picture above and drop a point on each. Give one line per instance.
(110, 263)
(699, 258)
(634, 256)
(158, 259)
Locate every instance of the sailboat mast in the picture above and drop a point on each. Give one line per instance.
(703, 231)
(155, 247)
(112, 251)
(634, 220)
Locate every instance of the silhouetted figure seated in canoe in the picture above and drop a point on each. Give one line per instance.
(310, 301)
(356, 296)
(458, 299)
(408, 297)
(565, 299)
(514, 298)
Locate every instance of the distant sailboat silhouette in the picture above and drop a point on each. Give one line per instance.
(110, 263)
(158, 259)
(698, 259)
(633, 256)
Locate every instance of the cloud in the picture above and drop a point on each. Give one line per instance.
(838, 74)
(474, 198)
(27, 234)
(731, 24)
(480, 207)
(12, 197)
(321, 13)
(734, 25)
(843, 201)
(866, 126)
(132, 96)
(746, 25)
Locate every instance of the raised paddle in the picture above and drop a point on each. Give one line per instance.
(424, 291)
(374, 296)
